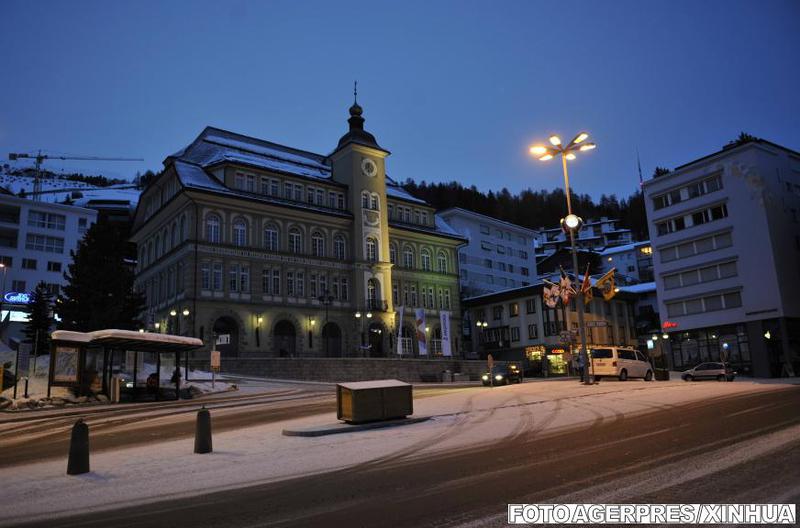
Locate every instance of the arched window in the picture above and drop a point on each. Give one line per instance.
(372, 249)
(365, 200)
(442, 263)
(393, 253)
(213, 228)
(372, 294)
(240, 232)
(318, 244)
(408, 257)
(295, 241)
(339, 247)
(271, 237)
(425, 258)
(375, 202)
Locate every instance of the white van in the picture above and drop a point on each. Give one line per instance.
(622, 363)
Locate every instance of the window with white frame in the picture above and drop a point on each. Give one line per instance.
(408, 257)
(425, 260)
(372, 249)
(339, 250)
(271, 237)
(442, 261)
(318, 244)
(240, 232)
(393, 253)
(295, 241)
(213, 224)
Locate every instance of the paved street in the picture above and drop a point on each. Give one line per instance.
(549, 441)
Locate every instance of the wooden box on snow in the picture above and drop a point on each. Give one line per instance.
(369, 401)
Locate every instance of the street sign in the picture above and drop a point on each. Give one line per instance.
(224, 339)
(215, 360)
(23, 359)
(596, 324)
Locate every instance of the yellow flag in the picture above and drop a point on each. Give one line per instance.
(606, 284)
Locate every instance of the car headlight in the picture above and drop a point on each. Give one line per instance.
(498, 377)
(129, 385)
(485, 377)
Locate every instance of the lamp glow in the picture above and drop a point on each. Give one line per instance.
(572, 221)
(580, 138)
(185, 312)
(570, 156)
(546, 157)
(173, 313)
(588, 146)
(555, 140)
(538, 150)
(358, 315)
(369, 315)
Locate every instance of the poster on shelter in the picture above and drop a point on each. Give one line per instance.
(65, 368)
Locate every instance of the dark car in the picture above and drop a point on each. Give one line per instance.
(715, 371)
(502, 375)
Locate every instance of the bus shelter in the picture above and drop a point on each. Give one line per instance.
(123, 363)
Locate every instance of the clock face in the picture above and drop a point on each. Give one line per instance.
(368, 167)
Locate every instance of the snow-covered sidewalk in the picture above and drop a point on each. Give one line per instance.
(262, 454)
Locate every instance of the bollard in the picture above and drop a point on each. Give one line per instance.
(79, 449)
(202, 435)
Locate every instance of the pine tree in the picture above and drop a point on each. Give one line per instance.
(99, 292)
(40, 319)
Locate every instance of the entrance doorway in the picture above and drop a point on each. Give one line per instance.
(227, 326)
(285, 338)
(332, 340)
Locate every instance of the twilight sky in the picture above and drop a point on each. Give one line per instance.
(456, 90)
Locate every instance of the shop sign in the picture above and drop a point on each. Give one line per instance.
(17, 297)
(669, 324)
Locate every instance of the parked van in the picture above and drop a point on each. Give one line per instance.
(618, 362)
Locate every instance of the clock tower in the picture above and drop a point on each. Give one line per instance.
(359, 162)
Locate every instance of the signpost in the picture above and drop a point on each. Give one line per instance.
(215, 364)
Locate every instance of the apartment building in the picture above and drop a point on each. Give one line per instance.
(725, 239)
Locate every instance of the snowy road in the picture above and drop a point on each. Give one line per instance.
(483, 448)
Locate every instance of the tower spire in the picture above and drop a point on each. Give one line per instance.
(355, 92)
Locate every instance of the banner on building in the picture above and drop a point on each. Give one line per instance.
(399, 324)
(422, 341)
(444, 320)
(552, 294)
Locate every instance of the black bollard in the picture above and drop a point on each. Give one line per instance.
(79, 449)
(202, 435)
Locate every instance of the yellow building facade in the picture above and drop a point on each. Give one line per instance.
(273, 251)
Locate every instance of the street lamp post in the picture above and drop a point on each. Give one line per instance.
(571, 222)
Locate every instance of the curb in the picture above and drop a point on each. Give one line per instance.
(340, 428)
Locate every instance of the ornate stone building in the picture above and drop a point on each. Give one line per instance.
(291, 253)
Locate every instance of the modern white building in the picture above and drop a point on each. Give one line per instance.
(725, 235)
(35, 243)
(634, 262)
(594, 235)
(498, 256)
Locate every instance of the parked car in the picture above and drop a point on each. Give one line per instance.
(714, 370)
(502, 375)
(618, 362)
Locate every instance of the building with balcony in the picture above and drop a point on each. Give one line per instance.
(35, 243)
(725, 235)
(594, 235)
(288, 253)
(498, 255)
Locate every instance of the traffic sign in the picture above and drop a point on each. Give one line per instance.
(224, 339)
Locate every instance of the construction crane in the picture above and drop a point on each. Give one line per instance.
(39, 157)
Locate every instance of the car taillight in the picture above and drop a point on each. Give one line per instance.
(613, 363)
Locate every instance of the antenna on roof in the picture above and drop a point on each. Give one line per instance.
(355, 92)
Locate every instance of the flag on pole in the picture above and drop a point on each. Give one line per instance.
(400, 331)
(586, 287)
(565, 285)
(422, 341)
(606, 284)
(551, 294)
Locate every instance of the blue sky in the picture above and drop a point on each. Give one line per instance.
(456, 90)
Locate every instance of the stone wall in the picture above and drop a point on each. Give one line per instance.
(348, 369)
